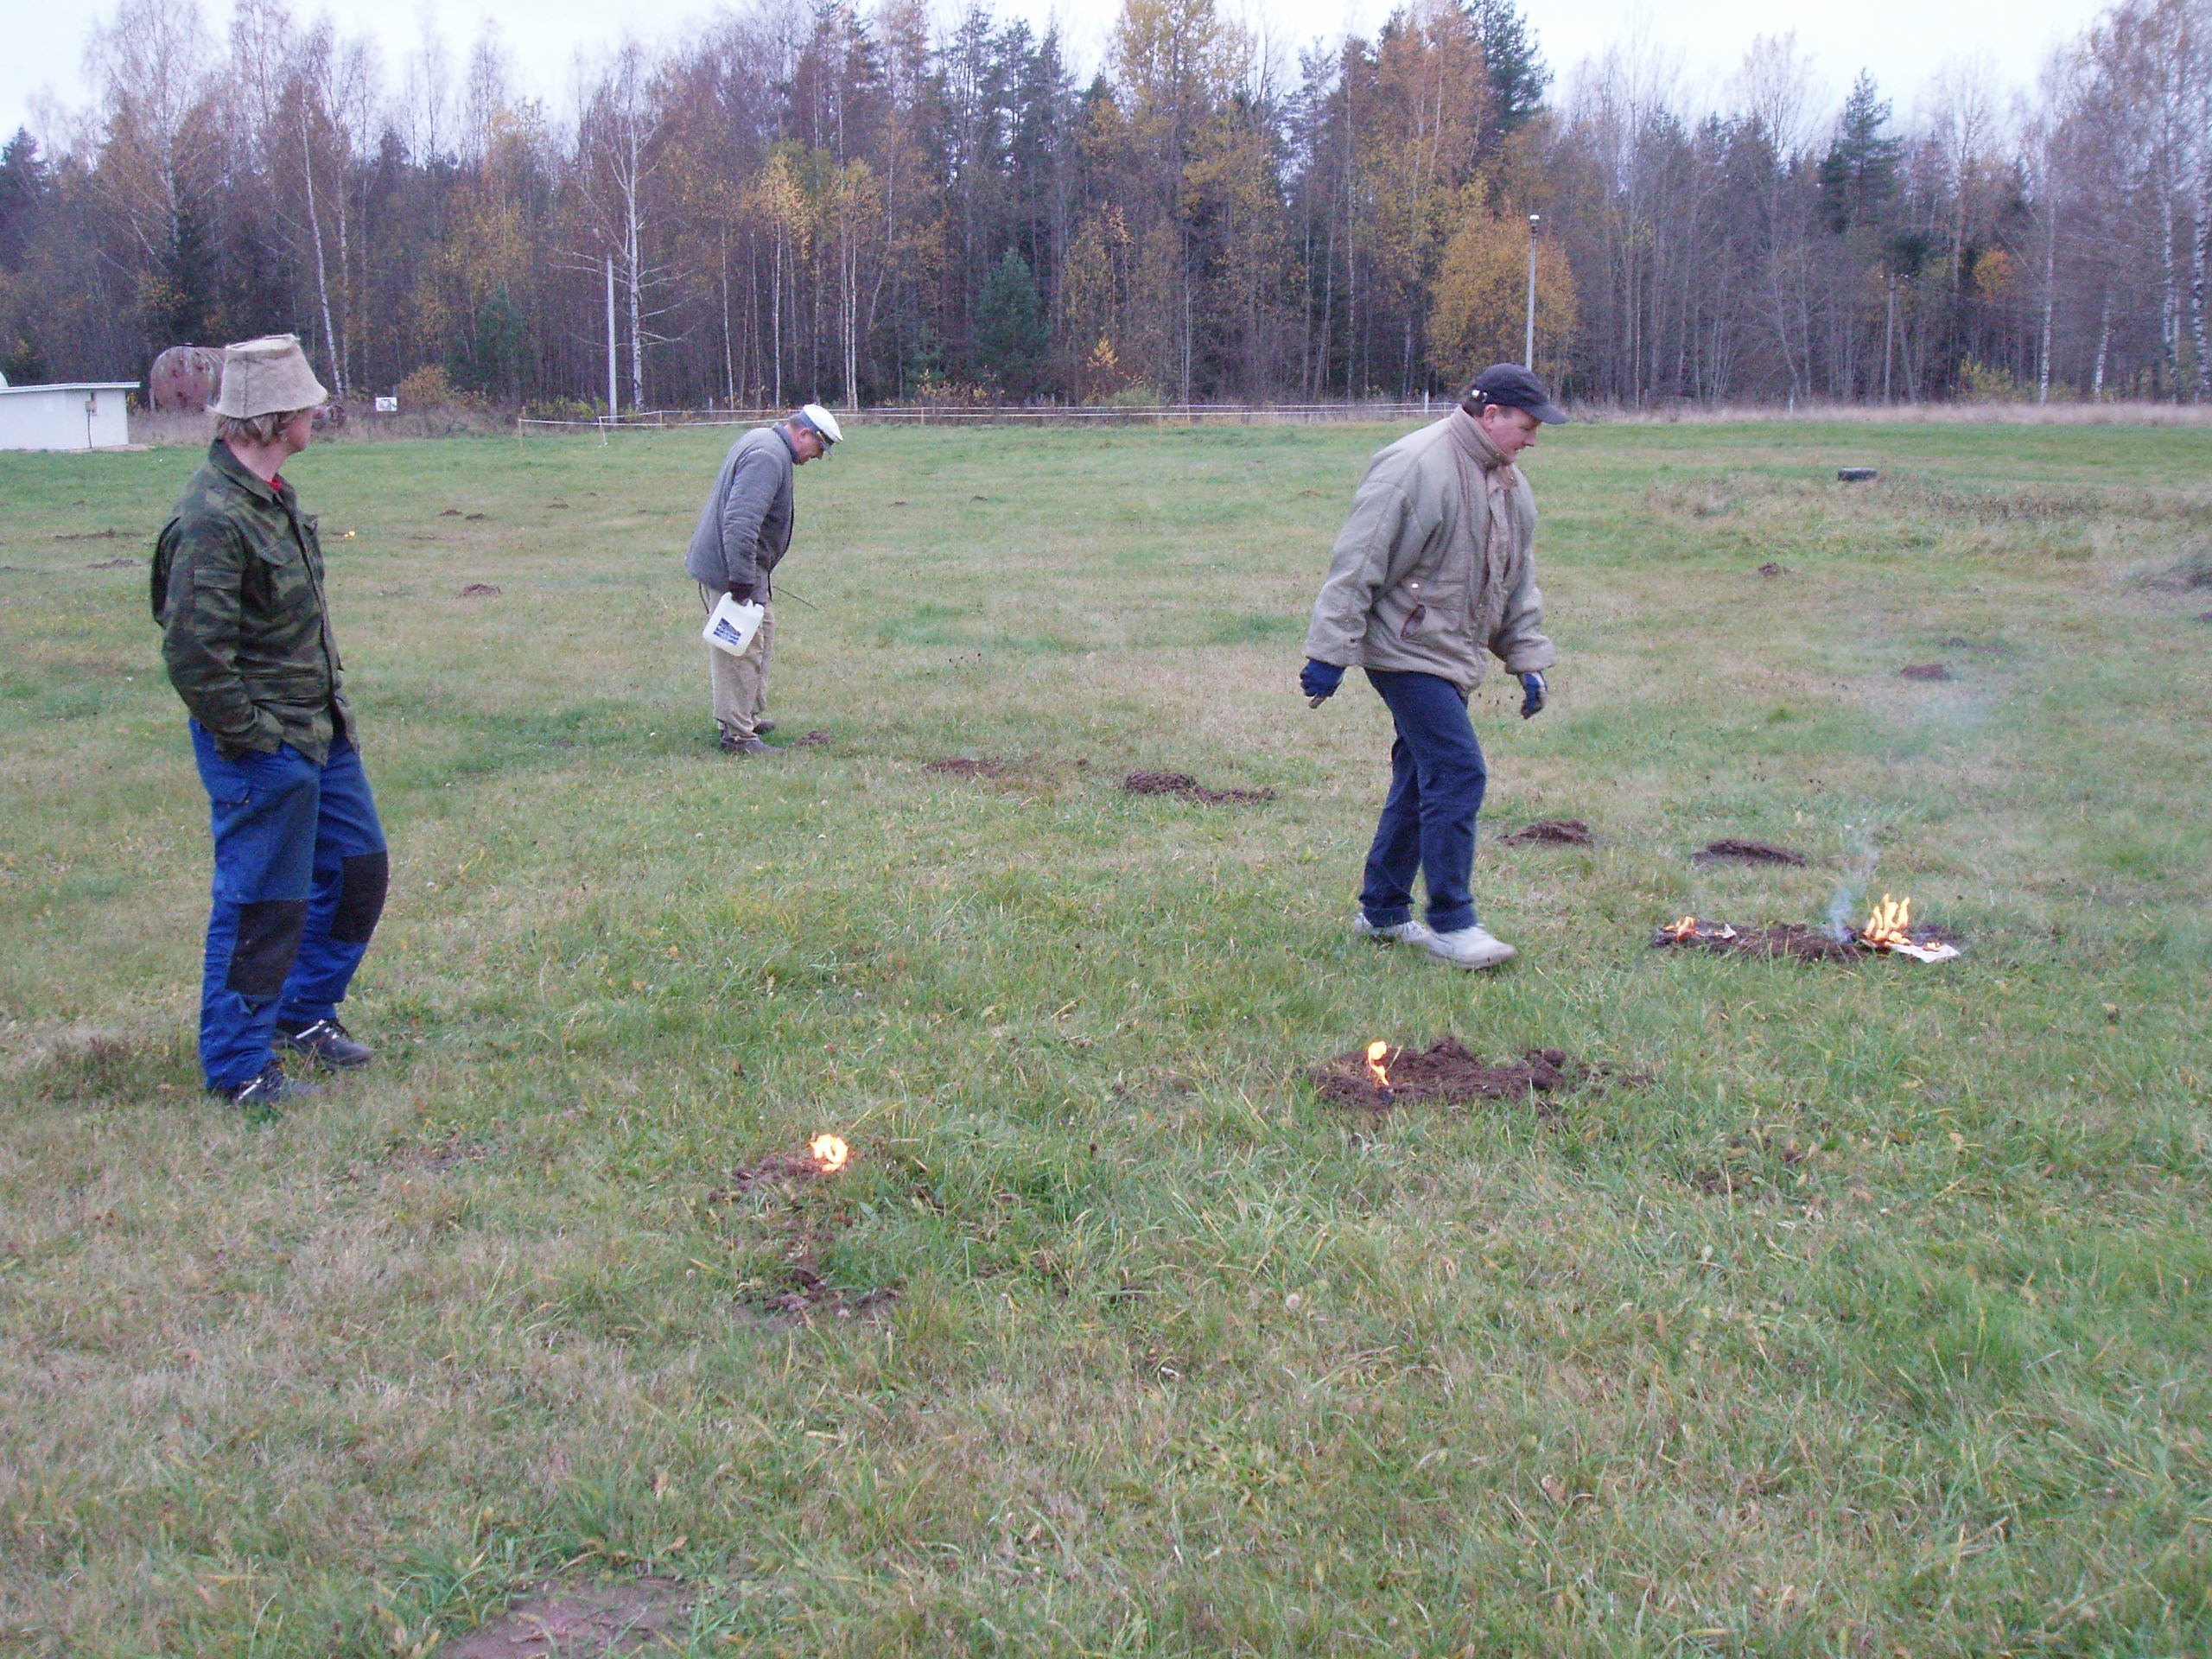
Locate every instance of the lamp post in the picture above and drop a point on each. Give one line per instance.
(1528, 347)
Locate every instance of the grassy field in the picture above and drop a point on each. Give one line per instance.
(1871, 1320)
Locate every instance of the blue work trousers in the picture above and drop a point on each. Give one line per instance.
(300, 871)
(1428, 818)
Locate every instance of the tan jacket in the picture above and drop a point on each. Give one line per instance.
(1417, 583)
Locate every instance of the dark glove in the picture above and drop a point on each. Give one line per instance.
(741, 592)
(1532, 703)
(1318, 680)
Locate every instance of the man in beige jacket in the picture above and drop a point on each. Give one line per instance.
(1433, 568)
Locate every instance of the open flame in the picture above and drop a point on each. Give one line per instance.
(1685, 928)
(829, 1152)
(1374, 1053)
(1890, 924)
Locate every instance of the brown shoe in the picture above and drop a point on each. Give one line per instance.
(744, 746)
(762, 726)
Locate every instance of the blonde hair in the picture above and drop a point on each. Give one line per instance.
(259, 430)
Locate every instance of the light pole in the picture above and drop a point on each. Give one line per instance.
(1528, 347)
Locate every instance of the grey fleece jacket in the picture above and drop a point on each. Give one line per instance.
(745, 526)
(1414, 584)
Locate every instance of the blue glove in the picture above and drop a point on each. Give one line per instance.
(1532, 704)
(1319, 680)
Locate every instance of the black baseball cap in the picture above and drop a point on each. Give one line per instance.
(1513, 387)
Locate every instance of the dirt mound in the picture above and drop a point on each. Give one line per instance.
(112, 564)
(1551, 832)
(1771, 569)
(1791, 939)
(784, 1168)
(960, 766)
(480, 590)
(808, 1296)
(1747, 852)
(1183, 784)
(1447, 1071)
(583, 1622)
(1925, 671)
(811, 741)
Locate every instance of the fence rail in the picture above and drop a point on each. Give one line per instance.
(658, 420)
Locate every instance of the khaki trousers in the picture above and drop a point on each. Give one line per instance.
(740, 683)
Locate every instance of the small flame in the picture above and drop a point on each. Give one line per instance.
(1685, 928)
(829, 1152)
(1891, 924)
(1375, 1053)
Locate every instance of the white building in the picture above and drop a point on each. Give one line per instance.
(82, 414)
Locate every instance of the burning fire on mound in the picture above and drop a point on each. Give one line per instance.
(1376, 1051)
(1690, 928)
(829, 1154)
(1890, 924)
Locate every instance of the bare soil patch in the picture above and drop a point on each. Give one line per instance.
(1925, 671)
(89, 536)
(480, 590)
(1449, 1073)
(124, 563)
(1549, 832)
(807, 1296)
(1730, 848)
(584, 1622)
(791, 1168)
(810, 741)
(1771, 569)
(1181, 784)
(958, 765)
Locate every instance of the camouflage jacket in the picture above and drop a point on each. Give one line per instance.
(237, 590)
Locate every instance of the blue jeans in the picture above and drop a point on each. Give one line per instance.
(1428, 818)
(300, 876)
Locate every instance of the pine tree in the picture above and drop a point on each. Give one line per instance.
(1010, 337)
(1860, 174)
(1518, 75)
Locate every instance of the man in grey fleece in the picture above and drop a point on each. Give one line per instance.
(743, 532)
(1433, 568)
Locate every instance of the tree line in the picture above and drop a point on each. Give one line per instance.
(819, 201)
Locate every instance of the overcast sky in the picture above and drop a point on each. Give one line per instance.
(1904, 42)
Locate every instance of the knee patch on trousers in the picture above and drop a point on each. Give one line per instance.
(267, 944)
(360, 898)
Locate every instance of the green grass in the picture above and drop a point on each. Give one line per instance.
(1875, 1322)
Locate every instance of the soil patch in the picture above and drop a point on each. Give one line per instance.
(1791, 939)
(806, 1296)
(778, 1168)
(584, 1622)
(1188, 788)
(112, 564)
(1746, 852)
(811, 741)
(1925, 671)
(480, 590)
(961, 766)
(1448, 1072)
(1771, 569)
(1550, 832)
(2207, 617)
(88, 536)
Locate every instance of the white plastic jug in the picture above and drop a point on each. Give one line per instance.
(730, 625)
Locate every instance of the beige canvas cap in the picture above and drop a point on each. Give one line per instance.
(268, 376)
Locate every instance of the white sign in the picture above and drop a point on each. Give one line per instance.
(387, 405)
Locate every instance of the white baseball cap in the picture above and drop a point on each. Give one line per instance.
(822, 422)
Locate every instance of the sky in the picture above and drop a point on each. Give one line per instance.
(1904, 42)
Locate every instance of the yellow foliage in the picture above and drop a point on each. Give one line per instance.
(1478, 312)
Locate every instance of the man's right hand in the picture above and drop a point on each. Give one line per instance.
(1319, 680)
(741, 592)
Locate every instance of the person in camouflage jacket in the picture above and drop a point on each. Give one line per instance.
(301, 863)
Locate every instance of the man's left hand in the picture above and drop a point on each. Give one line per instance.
(1532, 703)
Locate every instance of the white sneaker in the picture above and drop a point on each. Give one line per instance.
(1396, 933)
(1471, 947)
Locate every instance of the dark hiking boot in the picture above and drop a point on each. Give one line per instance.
(266, 1094)
(326, 1043)
(744, 746)
(762, 726)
